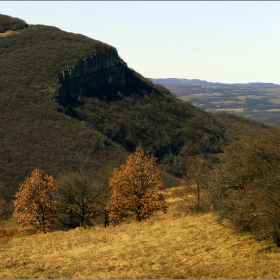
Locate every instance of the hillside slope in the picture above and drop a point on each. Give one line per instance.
(34, 133)
(174, 245)
(65, 96)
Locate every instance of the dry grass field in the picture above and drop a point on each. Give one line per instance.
(8, 33)
(178, 244)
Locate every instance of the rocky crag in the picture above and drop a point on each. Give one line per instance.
(90, 74)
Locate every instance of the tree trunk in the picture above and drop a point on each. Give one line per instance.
(276, 238)
(138, 214)
(106, 219)
(82, 216)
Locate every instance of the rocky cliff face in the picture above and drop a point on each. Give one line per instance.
(90, 74)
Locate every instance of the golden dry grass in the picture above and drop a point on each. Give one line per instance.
(8, 33)
(172, 245)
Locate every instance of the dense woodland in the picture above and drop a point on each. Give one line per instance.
(10, 23)
(103, 128)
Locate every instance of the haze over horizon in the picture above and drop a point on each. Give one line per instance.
(204, 81)
(216, 41)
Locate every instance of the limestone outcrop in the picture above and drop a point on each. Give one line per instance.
(90, 74)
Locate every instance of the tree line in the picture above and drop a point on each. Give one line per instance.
(246, 188)
(242, 188)
(10, 23)
(76, 198)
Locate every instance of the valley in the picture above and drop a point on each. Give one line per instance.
(258, 101)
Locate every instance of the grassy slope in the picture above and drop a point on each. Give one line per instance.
(172, 245)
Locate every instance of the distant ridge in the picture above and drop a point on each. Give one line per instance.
(177, 81)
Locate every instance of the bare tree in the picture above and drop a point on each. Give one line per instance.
(196, 183)
(81, 196)
(3, 208)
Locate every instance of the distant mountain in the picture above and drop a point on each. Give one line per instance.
(260, 85)
(176, 81)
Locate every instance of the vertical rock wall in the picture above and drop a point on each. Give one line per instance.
(90, 74)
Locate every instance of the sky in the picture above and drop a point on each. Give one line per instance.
(216, 41)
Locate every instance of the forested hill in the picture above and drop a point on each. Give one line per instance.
(66, 97)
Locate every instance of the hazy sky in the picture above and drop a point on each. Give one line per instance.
(219, 41)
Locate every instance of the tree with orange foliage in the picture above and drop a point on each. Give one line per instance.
(34, 204)
(135, 188)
